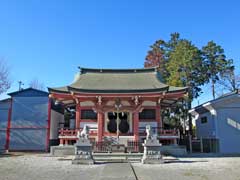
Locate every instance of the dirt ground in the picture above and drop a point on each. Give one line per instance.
(29, 166)
(217, 168)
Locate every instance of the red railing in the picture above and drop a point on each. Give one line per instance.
(68, 132)
(160, 132)
(73, 132)
(67, 135)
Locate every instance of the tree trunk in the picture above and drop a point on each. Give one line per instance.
(213, 89)
(189, 104)
(234, 82)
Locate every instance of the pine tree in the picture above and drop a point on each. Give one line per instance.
(185, 67)
(216, 63)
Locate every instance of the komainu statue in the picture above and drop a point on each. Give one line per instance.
(152, 148)
(84, 134)
(83, 148)
(149, 132)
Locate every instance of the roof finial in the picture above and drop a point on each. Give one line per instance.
(80, 69)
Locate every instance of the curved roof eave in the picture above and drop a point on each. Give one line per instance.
(58, 90)
(119, 91)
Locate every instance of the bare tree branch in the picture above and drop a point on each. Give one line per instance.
(5, 82)
(229, 81)
(36, 84)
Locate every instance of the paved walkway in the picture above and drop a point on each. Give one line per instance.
(115, 171)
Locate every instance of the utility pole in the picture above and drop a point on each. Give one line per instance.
(20, 84)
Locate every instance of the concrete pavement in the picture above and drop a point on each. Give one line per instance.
(117, 171)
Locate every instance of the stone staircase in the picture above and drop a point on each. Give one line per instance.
(165, 150)
(117, 157)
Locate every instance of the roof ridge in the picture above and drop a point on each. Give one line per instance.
(108, 70)
(27, 89)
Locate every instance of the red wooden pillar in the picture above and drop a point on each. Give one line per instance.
(159, 119)
(61, 142)
(136, 125)
(78, 116)
(8, 126)
(48, 124)
(100, 126)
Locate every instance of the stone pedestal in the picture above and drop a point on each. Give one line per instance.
(152, 154)
(83, 152)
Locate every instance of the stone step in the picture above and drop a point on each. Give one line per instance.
(118, 154)
(117, 157)
(116, 160)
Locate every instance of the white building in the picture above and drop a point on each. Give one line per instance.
(220, 118)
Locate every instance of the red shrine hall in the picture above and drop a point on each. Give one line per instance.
(116, 104)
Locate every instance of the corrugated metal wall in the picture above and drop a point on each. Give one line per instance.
(29, 123)
(4, 111)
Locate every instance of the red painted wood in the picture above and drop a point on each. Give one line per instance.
(115, 134)
(8, 126)
(79, 95)
(88, 120)
(127, 96)
(61, 95)
(78, 116)
(61, 141)
(48, 125)
(158, 116)
(136, 125)
(66, 135)
(123, 108)
(102, 107)
(100, 126)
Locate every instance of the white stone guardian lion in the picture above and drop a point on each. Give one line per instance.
(84, 134)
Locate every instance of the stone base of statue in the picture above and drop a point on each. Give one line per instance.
(152, 154)
(83, 152)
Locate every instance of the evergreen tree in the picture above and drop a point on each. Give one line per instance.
(186, 68)
(183, 64)
(215, 62)
(159, 54)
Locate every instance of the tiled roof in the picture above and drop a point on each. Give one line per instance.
(117, 81)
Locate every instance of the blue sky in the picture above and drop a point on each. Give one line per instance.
(49, 39)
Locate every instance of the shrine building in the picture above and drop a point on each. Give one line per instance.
(115, 104)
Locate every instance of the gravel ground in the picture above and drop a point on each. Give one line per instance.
(221, 168)
(42, 166)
